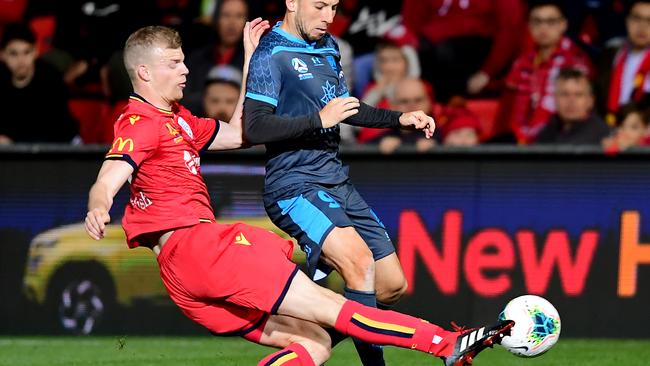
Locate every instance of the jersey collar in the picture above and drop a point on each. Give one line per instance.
(291, 37)
(138, 98)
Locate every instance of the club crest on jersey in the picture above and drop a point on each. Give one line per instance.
(300, 66)
(316, 61)
(185, 127)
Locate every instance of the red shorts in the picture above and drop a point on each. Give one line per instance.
(228, 278)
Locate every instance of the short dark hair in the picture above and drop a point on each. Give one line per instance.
(570, 73)
(17, 32)
(534, 4)
(627, 109)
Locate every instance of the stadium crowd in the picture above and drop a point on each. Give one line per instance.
(490, 71)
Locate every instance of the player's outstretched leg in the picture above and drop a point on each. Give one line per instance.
(345, 251)
(308, 301)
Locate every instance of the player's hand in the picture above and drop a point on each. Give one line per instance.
(253, 31)
(96, 220)
(337, 110)
(420, 121)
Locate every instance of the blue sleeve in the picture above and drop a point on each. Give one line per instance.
(264, 78)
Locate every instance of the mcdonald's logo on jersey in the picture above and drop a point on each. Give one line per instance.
(120, 144)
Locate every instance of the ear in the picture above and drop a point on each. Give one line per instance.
(292, 5)
(143, 72)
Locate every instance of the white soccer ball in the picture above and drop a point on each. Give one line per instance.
(537, 326)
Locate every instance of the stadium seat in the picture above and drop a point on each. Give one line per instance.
(486, 110)
(43, 28)
(91, 115)
(11, 11)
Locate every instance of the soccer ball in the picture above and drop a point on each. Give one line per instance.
(537, 326)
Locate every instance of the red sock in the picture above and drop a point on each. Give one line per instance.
(294, 355)
(392, 328)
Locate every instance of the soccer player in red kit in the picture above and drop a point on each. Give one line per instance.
(232, 279)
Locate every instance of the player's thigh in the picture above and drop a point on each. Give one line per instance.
(280, 331)
(345, 250)
(308, 301)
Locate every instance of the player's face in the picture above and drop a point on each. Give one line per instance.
(547, 26)
(638, 25)
(313, 17)
(19, 57)
(220, 101)
(231, 21)
(573, 99)
(168, 73)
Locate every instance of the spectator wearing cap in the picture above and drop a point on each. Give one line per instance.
(411, 94)
(528, 101)
(227, 49)
(33, 92)
(632, 129)
(574, 122)
(221, 93)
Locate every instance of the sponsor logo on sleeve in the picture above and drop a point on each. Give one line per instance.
(121, 144)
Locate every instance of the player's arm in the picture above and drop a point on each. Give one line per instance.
(382, 118)
(230, 135)
(112, 176)
(262, 125)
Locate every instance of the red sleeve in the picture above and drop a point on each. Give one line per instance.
(509, 17)
(136, 139)
(202, 130)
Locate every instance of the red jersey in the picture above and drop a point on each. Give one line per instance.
(532, 82)
(167, 190)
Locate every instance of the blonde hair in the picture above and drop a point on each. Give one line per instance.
(141, 42)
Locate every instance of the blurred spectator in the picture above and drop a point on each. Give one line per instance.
(528, 101)
(367, 23)
(227, 49)
(462, 129)
(624, 70)
(33, 92)
(574, 122)
(392, 64)
(464, 44)
(632, 129)
(594, 23)
(89, 32)
(221, 93)
(411, 94)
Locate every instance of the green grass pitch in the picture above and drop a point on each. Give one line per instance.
(199, 351)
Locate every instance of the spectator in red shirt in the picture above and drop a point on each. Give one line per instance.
(464, 43)
(528, 101)
(230, 17)
(624, 70)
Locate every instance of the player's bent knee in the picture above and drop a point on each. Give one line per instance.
(392, 292)
(358, 271)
